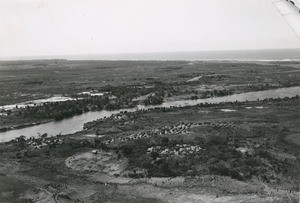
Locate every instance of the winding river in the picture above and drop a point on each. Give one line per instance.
(74, 124)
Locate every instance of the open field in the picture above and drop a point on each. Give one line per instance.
(28, 80)
(226, 152)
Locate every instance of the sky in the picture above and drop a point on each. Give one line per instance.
(75, 27)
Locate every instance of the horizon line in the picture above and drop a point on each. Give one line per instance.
(69, 56)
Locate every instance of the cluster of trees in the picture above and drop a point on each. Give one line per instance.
(212, 93)
(65, 109)
(133, 91)
(218, 93)
(154, 99)
(122, 98)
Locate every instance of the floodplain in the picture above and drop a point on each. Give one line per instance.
(230, 151)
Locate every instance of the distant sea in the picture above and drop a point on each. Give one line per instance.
(240, 55)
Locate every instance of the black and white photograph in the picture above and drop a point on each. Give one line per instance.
(149, 101)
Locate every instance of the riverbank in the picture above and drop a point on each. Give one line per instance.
(4, 129)
(61, 127)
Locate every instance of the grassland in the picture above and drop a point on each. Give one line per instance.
(28, 80)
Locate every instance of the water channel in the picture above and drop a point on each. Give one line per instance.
(74, 124)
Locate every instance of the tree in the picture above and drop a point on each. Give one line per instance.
(154, 155)
(153, 100)
(165, 140)
(127, 150)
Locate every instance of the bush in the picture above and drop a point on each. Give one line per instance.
(153, 100)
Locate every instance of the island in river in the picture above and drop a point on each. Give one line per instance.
(154, 131)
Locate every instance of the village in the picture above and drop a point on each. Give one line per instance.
(178, 150)
(40, 142)
(176, 129)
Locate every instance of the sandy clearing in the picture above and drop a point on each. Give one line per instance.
(104, 162)
(227, 110)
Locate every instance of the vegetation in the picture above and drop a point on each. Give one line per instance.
(217, 157)
(154, 100)
(61, 110)
(253, 146)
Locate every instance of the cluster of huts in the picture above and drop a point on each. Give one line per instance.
(180, 128)
(117, 117)
(135, 136)
(39, 143)
(177, 150)
(223, 124)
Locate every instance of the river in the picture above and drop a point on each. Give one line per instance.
(74, 124)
